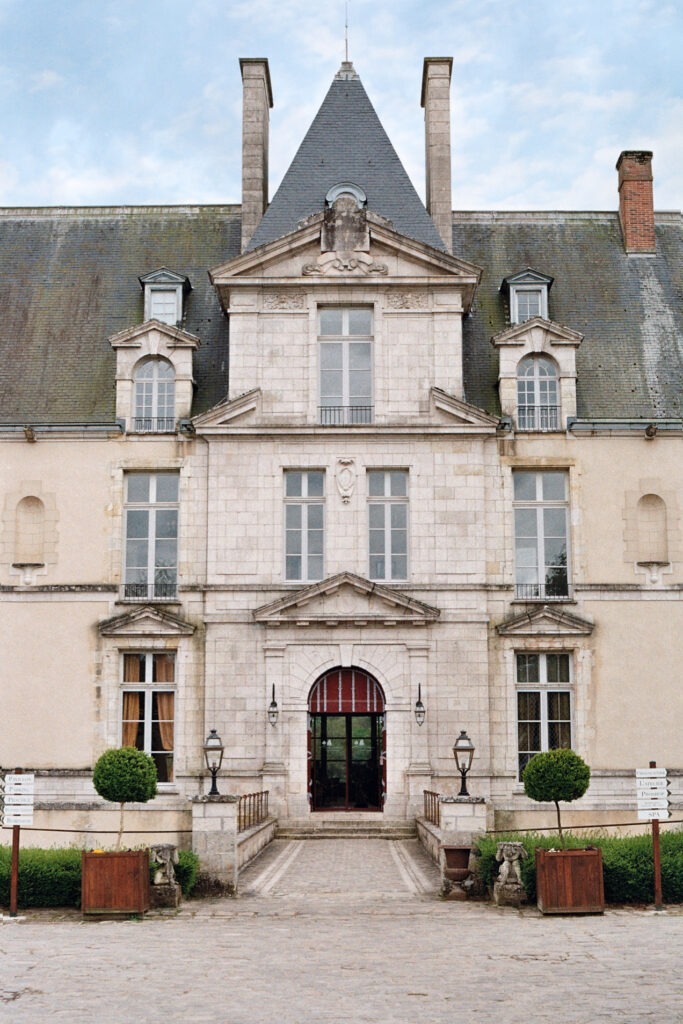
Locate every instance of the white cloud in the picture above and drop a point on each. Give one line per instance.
(42, 81)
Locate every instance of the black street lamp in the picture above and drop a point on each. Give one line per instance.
(420, 710)
(463, 752)
(273, 710)
(213, 755)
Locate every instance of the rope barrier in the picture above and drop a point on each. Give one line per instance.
(574, 828)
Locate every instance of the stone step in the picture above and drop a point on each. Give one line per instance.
(345, 829)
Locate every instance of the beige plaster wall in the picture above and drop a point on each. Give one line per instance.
(50, 700)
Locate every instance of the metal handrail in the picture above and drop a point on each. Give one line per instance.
(150, 591)
(154, 424)
(252, 809)
(432, 807)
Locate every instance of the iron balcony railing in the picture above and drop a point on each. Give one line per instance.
(154, 424)
(542, 591)
(432, 807)
(252, 809)
(150, 591)
(344, 415)
(538, 417)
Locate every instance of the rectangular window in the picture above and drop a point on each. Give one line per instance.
(163, 305)
(544, 713)
(541, 534)
(147, 716)
(345, 366)
(388, 524)
(304, 524)
(151, 536)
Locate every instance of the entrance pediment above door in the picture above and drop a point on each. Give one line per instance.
(346, 599)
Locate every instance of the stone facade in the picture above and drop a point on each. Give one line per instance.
(241, 628)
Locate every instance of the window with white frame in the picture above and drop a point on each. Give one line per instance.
(304, 524)
(541, 515)
(544, 703)
(526, 303)
(151, 536)
(165, 305)
(345, 343)
(388, 524)
(538, 405)
(154, 396)
(148, 707)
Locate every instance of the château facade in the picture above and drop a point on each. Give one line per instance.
(332, 456)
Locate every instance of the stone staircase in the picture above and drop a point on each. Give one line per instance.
(346, 826)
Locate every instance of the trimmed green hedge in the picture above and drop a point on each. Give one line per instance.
(47, 878)
(52, 878)
(626, 860)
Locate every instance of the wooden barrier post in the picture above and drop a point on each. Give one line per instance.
(14, 875)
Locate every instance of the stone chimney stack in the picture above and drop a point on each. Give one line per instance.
(256, 103)
(636, 205)
(436, 100)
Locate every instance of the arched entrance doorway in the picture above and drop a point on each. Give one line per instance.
(346, 742)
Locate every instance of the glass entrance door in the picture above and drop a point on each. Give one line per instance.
(346, 762)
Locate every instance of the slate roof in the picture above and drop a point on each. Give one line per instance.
(629, 308)
(69, 280)
(346, 142)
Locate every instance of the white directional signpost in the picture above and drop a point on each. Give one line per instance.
(16, 809)
(652, 787)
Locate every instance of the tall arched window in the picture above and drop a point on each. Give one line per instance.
(154, 401)
(538, 405)
(653, 545)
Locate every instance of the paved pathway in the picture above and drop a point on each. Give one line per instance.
(343, 932)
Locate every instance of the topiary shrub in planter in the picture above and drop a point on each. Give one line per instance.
(119, 882)
(125, 776)
(556, 775)
(567, 881)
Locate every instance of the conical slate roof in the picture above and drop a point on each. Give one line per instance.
(346, 143)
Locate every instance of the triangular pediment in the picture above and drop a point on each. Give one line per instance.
(537, 335)
(546, 620)
(390, 258)
(469, 417)
(145, 621)
(165, 276)
(230, 409)
(346, 599)
(166, 336)
(527, 277)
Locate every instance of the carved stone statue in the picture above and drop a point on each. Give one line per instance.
(165, 890)
(508, 889)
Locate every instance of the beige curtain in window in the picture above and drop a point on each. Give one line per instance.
(131, 718)
(165, 712)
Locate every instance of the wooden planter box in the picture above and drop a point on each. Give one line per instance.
(115, 883)
(569, 881)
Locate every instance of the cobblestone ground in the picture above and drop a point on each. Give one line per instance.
(342, 932)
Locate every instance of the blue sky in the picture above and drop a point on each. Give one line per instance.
(139, 101)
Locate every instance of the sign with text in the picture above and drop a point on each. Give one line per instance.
(16, 799)
(652, 790)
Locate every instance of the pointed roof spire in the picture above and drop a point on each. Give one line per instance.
(346, 142)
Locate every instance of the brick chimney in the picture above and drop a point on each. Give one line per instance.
(636, 205)
(257, 99)
(436, 100)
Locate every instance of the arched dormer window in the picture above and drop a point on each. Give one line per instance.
(154, 396)
(538, 405)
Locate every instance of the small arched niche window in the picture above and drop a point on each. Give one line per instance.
(653, 548)
(29, 540)
(154, 396)
(538, 406)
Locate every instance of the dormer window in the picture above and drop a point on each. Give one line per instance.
(164, 296)
(528, 295)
